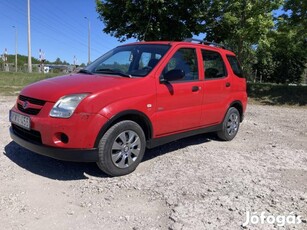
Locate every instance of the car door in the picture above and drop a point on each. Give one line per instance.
(217, 88)
(179, 101)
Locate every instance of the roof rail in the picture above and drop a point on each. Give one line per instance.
(204, 42)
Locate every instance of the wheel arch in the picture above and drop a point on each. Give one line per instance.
(133, 115)
(238, 105)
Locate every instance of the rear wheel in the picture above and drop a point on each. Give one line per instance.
(231, 125)
(121, 148)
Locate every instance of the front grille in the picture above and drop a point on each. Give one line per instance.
(28, 110)
(32, 100)
(29, 135)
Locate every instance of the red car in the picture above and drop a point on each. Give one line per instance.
(134, 97)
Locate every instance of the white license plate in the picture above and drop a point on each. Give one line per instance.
(20, 120)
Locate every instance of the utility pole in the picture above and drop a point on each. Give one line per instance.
(42, 60)
(29, 41)
(89, 40)
(6, 66)
(75, 60)
(16, 48)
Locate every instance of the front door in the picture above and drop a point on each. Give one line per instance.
(179, 102)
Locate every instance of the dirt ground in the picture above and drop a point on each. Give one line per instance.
(194, 183)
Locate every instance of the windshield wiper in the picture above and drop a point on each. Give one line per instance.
(113, 71)
(85, 71)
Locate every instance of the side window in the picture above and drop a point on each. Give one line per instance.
(149, 60)
(184, 59)
(235, 65)
(213, 65)
(144, 59)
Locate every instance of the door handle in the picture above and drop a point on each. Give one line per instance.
(227, 84)
(195, 88)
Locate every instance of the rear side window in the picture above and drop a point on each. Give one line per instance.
(213, 65)
(235, 65)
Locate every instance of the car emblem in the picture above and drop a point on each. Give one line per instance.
(25, 105)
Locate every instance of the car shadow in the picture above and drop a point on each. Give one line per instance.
(64, 171)
(49, 167)
(179, 144)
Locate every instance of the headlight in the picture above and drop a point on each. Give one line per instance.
(66, 105)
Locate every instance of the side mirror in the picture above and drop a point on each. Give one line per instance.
(173, 75)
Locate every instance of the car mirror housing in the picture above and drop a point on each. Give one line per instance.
(173, 75)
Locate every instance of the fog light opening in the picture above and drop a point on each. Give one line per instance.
(64, 138)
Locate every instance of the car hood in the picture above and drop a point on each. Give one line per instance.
(54, 88)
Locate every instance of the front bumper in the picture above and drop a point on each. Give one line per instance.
(66, 154)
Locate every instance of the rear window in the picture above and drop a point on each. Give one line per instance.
(235, 65)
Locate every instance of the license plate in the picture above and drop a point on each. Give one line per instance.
(20, 120)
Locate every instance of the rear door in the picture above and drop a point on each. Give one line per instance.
(217, 88)
(179, 102)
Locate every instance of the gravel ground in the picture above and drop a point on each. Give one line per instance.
(194, 183)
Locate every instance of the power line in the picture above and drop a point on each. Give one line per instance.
(43, 20)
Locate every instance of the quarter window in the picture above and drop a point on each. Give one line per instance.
(235, 65)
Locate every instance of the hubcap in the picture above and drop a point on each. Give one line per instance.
(126, 148)
(232, 124)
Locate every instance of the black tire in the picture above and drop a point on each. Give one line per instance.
(230, 124)
(121, 148)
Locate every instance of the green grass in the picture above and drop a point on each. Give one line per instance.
(11, 83)
(274, 94)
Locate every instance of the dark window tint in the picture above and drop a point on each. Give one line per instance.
(184, 59)
(213, 65)
(235, 65)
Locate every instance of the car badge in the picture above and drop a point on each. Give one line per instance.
(25, 105)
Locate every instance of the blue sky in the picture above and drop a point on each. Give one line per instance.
(58, 28)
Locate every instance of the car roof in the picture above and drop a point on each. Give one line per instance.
(187, 43)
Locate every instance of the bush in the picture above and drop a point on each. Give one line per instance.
(275, 94)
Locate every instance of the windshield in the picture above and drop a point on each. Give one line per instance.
(130, 60)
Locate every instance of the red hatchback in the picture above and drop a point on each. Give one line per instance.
(134, 97)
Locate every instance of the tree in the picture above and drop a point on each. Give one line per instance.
(238, 24)
(298, 11)
(289, 54)
(282, 57)
(273, 48)
(241, 25)
(58, 61)
(298, 21)
(151, 19)
(264, 66)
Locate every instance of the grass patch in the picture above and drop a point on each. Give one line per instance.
(11, 83)
(274, 94)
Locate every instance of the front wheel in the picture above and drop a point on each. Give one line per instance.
(230, 124)
(121, 148)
